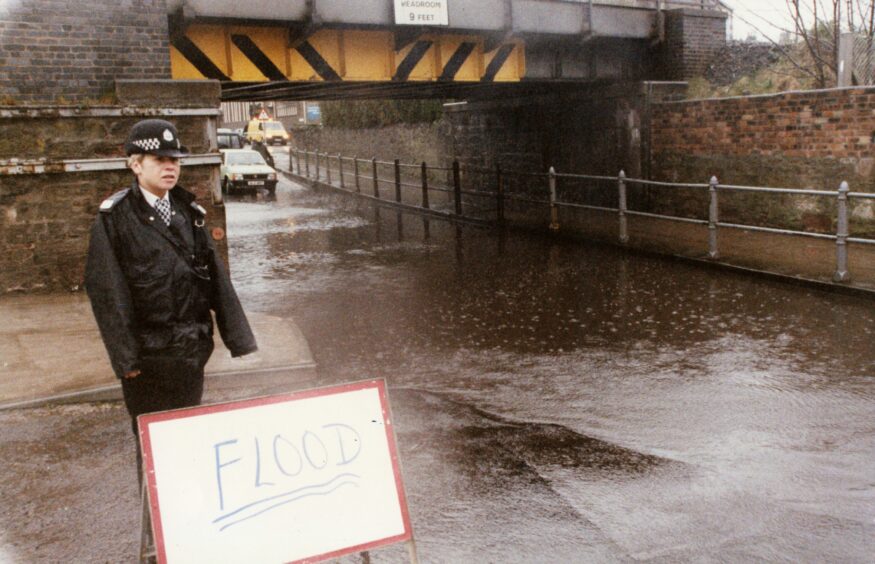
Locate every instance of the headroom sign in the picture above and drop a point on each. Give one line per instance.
(421, 12)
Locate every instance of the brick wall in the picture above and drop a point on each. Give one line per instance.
(692, 39)
(811, 139)
(62, 50)
(832, 128)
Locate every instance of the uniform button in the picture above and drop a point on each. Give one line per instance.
(151, 218)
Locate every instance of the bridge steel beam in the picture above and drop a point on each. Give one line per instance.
(255, 53)
(291, 44)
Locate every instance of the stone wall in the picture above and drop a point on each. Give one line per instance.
(47, 205)
(588, 130)
(409, 143)
(58, 51)
(741, 58)
(811, 140)
(595, 130)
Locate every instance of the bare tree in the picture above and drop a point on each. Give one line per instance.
(817, 25)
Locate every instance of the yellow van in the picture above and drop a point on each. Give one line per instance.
(267, 132)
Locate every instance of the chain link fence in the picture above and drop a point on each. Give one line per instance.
(864, 60)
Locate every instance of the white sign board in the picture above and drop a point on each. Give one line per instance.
(421, 12)
(304, 476)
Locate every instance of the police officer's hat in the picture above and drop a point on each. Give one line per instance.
(155, 137)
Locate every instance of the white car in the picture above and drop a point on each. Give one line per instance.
(245, 169)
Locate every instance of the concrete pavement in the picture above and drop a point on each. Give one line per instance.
(50, 351)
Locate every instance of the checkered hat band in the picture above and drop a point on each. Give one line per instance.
(152, 144)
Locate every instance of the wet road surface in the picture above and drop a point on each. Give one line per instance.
(561, 402)
(554, 402)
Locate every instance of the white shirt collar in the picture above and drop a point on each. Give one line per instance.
(152, 198)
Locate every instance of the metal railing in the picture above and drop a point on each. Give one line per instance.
(363, 177)
(715, 5)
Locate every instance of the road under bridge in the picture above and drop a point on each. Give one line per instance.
(77, 75)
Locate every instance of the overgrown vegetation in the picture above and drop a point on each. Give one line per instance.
(809, 49)
(780, 76)
(361, 114)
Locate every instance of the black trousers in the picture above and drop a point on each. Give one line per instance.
(165, 382)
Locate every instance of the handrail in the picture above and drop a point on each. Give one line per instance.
(486, 178)
(715, 5)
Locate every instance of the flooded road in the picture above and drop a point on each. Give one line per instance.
(553, 401)
(560, 402)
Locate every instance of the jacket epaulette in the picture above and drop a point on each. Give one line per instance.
(199, 209)
(107, 204)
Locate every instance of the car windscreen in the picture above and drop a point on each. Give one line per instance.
(228, 141)
(273, 126)
(244, 158)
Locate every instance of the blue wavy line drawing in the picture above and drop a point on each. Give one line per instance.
(349, 479)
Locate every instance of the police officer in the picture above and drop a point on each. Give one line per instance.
(153, 276)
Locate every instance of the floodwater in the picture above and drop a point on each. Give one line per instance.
(553, 401)
(560, 402)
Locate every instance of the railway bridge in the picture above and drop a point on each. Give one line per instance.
(78, 74)
(336, 48)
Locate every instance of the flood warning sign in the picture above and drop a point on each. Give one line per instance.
(306, 476)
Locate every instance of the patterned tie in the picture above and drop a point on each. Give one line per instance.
(163, 208)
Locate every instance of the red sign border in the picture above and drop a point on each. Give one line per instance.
(149, 470)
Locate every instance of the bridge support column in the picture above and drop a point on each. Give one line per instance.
(44, 169)
(692, 38)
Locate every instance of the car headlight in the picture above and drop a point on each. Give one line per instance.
(236, 176)
(271, 176)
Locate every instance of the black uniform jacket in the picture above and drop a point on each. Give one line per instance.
(152, 286)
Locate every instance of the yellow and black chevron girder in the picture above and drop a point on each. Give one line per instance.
(257, 54)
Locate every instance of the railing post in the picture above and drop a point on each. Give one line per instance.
(424, 185)
(397, 180)
(842, 232)
(499, 194)
(340, 169)
(713, 219)
(621, 207)
(291, 153)
(316, 156)
(355, 164)
(457, 187)
(328, 168)
(554, 209)
(376, 181)
(307, 163)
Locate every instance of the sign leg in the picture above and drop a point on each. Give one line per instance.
(147, 542)
(411, 550)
